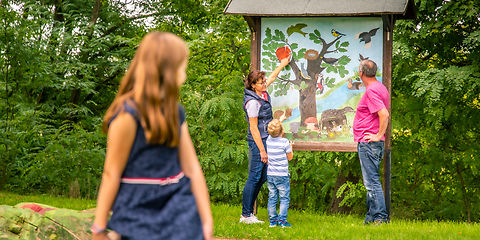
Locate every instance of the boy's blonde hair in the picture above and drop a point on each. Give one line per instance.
(275, 128)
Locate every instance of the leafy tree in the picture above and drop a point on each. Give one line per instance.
(436, 92)
(212, 96)
(61, 62)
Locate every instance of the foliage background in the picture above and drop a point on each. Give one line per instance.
(61, 61)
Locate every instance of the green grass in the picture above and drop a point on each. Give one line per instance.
(59, 202)
(305, 225)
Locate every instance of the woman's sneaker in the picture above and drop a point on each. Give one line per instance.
(255, 219)
(249, 220)
(284, 224)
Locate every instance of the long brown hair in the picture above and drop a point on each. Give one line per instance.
(151, 82)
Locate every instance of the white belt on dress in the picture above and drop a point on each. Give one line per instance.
(156, 181)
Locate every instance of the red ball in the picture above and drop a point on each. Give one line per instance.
(283, 52)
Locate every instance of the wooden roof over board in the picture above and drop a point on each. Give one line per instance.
(302, 8)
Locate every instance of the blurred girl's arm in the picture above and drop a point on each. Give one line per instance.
(121, 135)
(191, 168)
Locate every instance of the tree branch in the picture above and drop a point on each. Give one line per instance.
(94, 18)
(296, 82)
(336, 39)
(295, 68)
(145, 16)
(326, 45)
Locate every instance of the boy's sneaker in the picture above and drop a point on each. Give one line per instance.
(249, 220)
(273, 223)
(284, 224)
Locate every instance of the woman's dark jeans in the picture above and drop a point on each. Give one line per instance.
(257, 175)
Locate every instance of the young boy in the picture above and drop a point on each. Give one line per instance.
(279, 152)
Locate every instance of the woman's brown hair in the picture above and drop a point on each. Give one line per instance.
(151, 82)
(253, 78)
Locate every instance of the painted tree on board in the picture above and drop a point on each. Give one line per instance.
(310, 80)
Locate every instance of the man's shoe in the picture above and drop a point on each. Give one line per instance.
(379, 222)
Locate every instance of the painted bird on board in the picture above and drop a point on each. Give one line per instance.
(297, 28)
(362, 57)
(366, 37)
(330, 61)
(303, 72)
(336, 33)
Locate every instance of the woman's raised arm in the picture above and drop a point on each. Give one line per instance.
(277, 70)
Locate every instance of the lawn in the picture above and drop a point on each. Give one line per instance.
(305, 225)
(59, 202)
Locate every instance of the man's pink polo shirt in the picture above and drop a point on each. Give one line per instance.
(366, 119)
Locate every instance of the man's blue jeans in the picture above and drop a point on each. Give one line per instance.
(278, 187)
(257, 175)
(371, 155)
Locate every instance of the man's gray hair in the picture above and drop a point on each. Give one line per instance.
(368, 67)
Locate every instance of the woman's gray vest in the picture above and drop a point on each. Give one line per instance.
(264, 116)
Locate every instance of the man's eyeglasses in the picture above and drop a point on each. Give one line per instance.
(261, 83)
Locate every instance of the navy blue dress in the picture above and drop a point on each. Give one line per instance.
(153, 211)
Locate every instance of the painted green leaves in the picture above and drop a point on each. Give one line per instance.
(341, 46)
(315, 36)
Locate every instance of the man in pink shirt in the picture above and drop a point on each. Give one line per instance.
(369, 126)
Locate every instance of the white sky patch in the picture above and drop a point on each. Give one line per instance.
(17, 7)
(131, 9)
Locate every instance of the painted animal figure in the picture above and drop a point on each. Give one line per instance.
(354, 85)
(361, 57)
(279, 113)
(331, 118)
(297, 28)
(366, 37)
(294, 126)
(336, 33)
(303, 72)
(320, 82)
(330, 61)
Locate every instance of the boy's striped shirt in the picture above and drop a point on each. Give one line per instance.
(277, 149)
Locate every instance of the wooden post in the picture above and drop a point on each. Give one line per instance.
(255, 36)
(388, 23)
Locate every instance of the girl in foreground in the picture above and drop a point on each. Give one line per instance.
(152, 180)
